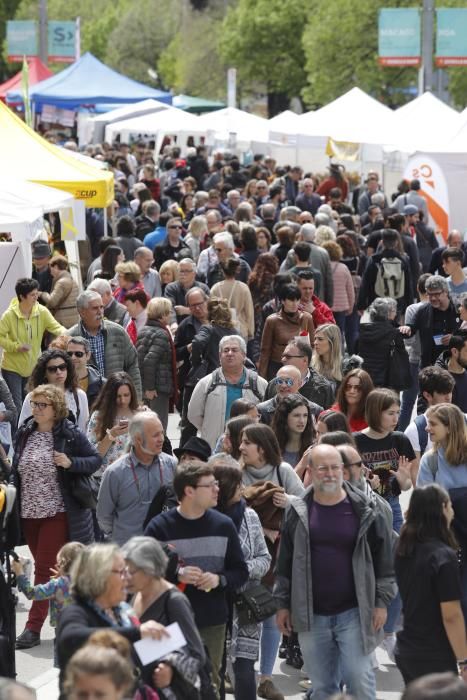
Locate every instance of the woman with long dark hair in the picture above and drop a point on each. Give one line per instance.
(233, 433)
(268, 483)
(433, 637)
(110, 258)
(294, 427)
(115, 405)
(261, 284)
(351, 398)
(56, 367)
(243, 646)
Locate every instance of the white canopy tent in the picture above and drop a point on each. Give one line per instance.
(234, 129)
(91, 128)
(171, 121)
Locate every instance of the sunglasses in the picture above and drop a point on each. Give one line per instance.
(179, 227)
(56, 368)
(77, 353)
(279, 381)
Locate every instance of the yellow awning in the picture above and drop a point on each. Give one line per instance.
(26, 155)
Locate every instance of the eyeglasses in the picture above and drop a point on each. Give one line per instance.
(77, 353)
(56, 368)
(196, 306)
(321, 469)
(289, 357)
(175, 227)
(211, 485)
(280, 380)
(121, 572)
(185, 272)
(40, 405)
(131, 572)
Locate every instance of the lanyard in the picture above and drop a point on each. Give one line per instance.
(136, 480)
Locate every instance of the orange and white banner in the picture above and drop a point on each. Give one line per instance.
(434, 189)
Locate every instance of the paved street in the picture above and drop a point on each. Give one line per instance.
(35, 665)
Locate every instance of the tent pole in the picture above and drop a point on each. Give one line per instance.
(105, 222)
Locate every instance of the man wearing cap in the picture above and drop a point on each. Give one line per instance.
(413, 197)
(435, 320)
(41, 255)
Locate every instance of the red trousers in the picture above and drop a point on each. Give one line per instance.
(44, 537)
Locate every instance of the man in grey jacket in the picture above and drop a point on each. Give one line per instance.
(335, 578)
(131, 482)
(111, 347)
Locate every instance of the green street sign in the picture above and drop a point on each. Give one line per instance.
(62, 42)
(399, 37)
(451, 37)
(22, 40)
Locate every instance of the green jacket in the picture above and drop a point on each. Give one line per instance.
(16, 330)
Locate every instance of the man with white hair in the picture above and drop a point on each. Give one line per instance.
(111, 347)
(319, 260)
(233, 200)
(307, 200)
(131, 482)
(113, 310)
(224, 248)
(334, 578)
(210, 403)
(176, 291)
(151, 281)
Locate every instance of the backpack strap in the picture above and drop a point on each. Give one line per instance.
(420, 424)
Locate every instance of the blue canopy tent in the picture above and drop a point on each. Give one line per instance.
(88, 82)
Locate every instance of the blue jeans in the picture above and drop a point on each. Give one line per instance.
(17, 386)
(395, 607)
(333, 652)
(409, 396)
(270, 640)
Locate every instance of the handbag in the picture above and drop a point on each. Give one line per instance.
(84, 488)
(255, 605)
(398, 374)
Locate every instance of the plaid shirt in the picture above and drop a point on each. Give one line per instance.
(97, 347)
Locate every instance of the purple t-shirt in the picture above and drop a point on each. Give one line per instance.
(333, 533)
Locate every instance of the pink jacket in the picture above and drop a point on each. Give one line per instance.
(344, 292)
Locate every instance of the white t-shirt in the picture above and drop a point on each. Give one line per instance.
(412, 433)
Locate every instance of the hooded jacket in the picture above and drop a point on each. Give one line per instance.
(372, 563)
(374, 346)
(16, 330)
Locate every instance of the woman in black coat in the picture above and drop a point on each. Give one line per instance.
(50, 453)
(377, 338)
(205, 344)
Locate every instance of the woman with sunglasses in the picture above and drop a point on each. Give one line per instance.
(90, 380)
(351, 398)
(108, 426)
(49, 449)
(55, 367)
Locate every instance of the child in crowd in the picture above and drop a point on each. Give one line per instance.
(57, 590)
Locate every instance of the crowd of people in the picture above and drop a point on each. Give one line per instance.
(313, 341)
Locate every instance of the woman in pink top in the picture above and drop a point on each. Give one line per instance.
(344, 291)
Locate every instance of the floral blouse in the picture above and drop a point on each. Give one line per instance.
(116, 449)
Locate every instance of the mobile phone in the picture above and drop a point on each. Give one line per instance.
(123, 422)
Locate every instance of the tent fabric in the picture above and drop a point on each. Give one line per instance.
(355, 117)
(136, 109)
(37, 72)
(31, 157)
(425, 123)
(168, 121)
(196, 105)
(88, 81)
(244, 126)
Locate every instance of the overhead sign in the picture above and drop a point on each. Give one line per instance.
(399, 37)
(451, 37)
(62, 42)
(22, 40)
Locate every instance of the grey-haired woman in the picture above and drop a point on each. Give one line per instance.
(378, 338)
(177, 674)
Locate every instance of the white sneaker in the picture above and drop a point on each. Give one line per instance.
(388, 644)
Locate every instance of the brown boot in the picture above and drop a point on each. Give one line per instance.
(267, 689)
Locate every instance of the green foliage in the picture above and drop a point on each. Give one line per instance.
(7, 11)
(262, 39)
(341, 48)
(191, 63)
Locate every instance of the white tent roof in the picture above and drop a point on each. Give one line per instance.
(168, 121)
(425, 123)
(129, 111)
(284, 123)
(354, 117)
(247, 127)
(22, 196)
